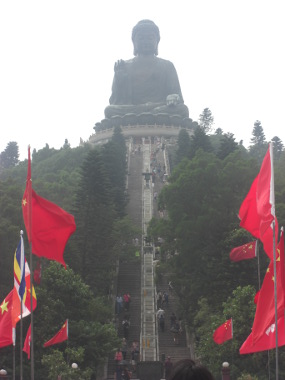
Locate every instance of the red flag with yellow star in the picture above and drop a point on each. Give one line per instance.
(48, 226)
(6, 326)
(224, 332)
(265, 309)
(244, 252)
(59, 337)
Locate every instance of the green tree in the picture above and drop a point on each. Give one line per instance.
(114, 159)
(95, 215)
(206, 120)
(258, 143)
(279, 185)
(56, 365)
(183, 145)
(240, 307)
(123, 234)
(11, 222)
(228, 145)
(202, 200)
(219, 132)
(278, 147)
(92, 335)
(199, 140)
(10, 156)
(43, 153)
(258, 137)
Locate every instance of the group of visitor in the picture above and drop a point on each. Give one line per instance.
(162, 299)
(123, 303)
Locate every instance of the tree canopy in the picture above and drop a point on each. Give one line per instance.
(211, 176)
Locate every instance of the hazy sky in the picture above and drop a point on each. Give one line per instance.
(57, 59)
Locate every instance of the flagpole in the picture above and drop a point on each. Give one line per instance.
(29, 178)
(275, 301)
(29, 231)
(274, 257)
(232, 327)
(282, 231)
(21, 341)
(21, 322)
(258, 263)
(32, 314)
(14, 354)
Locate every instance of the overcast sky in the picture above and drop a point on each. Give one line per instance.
(57, 59)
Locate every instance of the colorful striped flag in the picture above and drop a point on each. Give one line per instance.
(26, 302)
(19, 269)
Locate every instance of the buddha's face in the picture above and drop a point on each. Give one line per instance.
(145, 42)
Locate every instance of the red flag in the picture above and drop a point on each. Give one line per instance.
(6, 326)
(265, 309)
(244, 252)
(267, 341)
(249, 219)
(257, 211)
(61, 336)
(27, 343)
(224, 332)
(48, 226)
(256, 297)
(265, 203)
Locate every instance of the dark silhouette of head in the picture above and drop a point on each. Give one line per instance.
(188, 370)
(145, 37)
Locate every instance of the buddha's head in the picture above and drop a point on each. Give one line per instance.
(145, 37)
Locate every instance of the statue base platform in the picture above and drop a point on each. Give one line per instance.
(142, 125)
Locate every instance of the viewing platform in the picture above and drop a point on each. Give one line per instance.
(143, 125)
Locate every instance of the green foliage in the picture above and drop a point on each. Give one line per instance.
(11, 223)
(63, 295)
(246, 376)
(202, 200)
(240, 307)
(55, 176)
(10, 156)
(206, 120)
(95, 214)
(114, 159)
(280, 189)
(55, 365)
(123, 235)
(278, 148)
(259, 145)
(228, 145)
(100, 202)
(183, 146)
(199, 140)
(258, 137)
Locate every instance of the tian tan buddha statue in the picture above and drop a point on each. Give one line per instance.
(146, 83)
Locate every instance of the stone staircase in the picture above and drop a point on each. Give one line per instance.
(130, 273)
(129, 281)
(167, 347)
